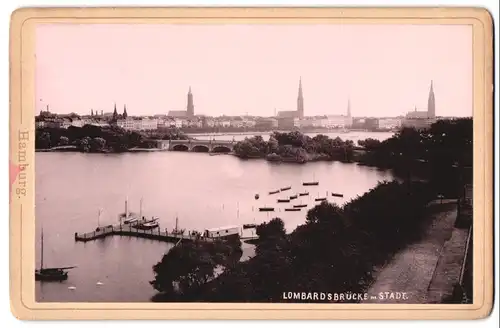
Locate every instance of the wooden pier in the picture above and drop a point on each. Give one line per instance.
(128, 230)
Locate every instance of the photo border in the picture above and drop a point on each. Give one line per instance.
(22, 134)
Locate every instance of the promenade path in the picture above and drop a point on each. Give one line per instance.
(412, 269)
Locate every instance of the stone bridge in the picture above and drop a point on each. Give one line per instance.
(194, 145)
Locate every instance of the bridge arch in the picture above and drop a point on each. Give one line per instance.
(221, 149)
(180, 147)
(200, 149)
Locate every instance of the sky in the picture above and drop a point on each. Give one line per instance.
(384, 70)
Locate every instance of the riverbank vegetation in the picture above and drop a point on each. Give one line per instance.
(95, 139)
(441, 154)
(186, 268)
(295, 147)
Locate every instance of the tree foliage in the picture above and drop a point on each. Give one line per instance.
(295, 147)
(90, 138)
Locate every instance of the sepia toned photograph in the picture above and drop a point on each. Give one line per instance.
(239, 163)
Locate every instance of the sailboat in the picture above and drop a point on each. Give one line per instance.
(311, 183)
(320, 199)
(50, 274)
(127, 217)
(176, 230)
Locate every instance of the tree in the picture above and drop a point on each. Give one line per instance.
(272, 229)
(85, 144)
(42, 140)
(369, 144)
(63, 141)
(272, 145)
(325, 212)
(97, 144)
(185, 267)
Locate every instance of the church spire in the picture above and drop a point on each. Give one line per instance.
(190, 104)
(125, 111)
(300, 100)
(431, 102)
(115, 114)
(300, 87)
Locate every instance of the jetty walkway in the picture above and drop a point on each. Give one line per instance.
(129, 230)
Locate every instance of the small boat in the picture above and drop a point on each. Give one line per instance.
(320, 199)
(295, 209)
(147, 224)
(283, 200)
(176, 230)
(274, 192)
(300, 205)
(337, 195)
(304, 194)
(311, 183)
(150, 225)
(293, 197)
(257, 196)
(266, 209)
(249, 226)
(130, 221)
(285, 188)
(50, 274)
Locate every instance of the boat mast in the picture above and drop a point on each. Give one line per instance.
(140, 210)
(176, 223)
(99, 218)
(41, 262)
(126, 208)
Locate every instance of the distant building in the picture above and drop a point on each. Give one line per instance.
(177, 113)
(266, 124)
(299, 113)
(329, 121)
(138, 124)
(189, 112)
(372, 123)
(422, 119)
(418, 123)
(190, 104)
(288, 123)
(389, 123)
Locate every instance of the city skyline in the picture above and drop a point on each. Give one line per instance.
(242, 78)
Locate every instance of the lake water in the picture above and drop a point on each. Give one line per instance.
(202, 191)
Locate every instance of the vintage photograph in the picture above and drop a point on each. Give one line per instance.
(278, 163)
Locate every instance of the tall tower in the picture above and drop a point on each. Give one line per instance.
(300, 101)
(190, 104)
(115, 114)
(125, 114)
(431, 103)
(348, 120)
